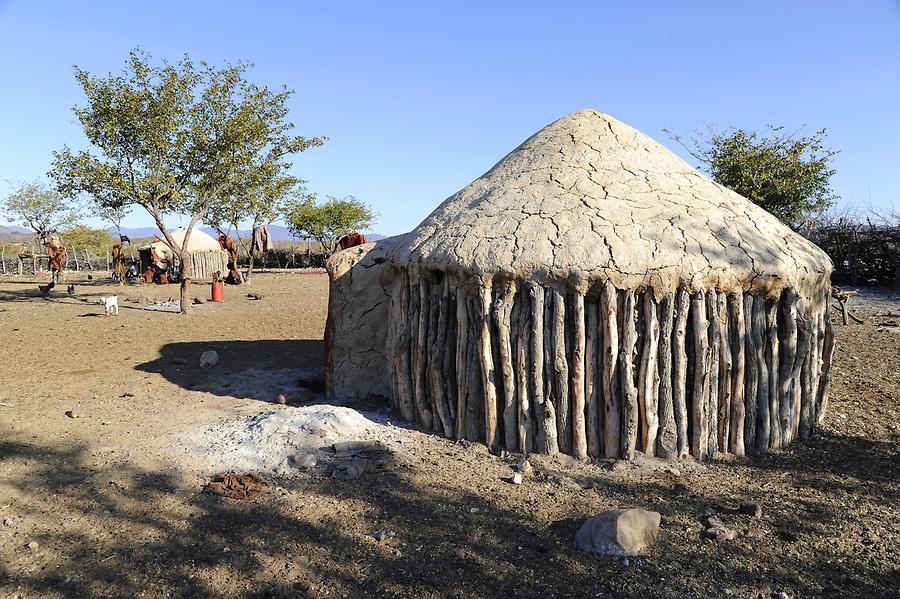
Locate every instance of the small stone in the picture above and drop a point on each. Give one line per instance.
(226, 549)
(199, 300)
(32, 545)
(523, 466)
(751, 508)
(381, 535)
(474, 510)
(719, 533)
(714, 522)
(7, 522)
(73, 414)
(619, 532)
(672, 470)
(302, 460)
(208, 359)
(282, 399)
(516, 479)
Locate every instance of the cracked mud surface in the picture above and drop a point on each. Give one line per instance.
(115, 515)
(588, 199)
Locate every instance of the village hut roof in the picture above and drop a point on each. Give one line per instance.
(199, 241)
(588, 199)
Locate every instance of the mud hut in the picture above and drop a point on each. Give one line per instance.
(207, 255)
(591, 294)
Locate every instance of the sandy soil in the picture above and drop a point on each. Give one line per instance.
(114, 499)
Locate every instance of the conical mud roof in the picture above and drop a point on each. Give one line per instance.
(589, 199)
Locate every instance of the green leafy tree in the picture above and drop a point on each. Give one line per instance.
(177, 139)
(259, 207)
(787, 174)
(329, 221)
(82, 237)
(41, 208)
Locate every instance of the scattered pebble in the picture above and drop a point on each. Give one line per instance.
(32, 545)
(751, 508)
(474, 510)
(7, 522)
(305, 460)
(73, 414)
(523, 466)
(516, 479)
(381, 535)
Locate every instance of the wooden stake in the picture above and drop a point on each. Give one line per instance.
(679, 363)
(551, 389)
(487, 371)
(724, 405)
(648, 376)
(772, 366)
(609, 357)
(561, 372)
(543, 442)
(758, 329)
(629, 391)
(462, 354)
(667, 444)
(788, 354)
(738, 347)
(751, 376)
(592, 395)
(579, 432)
(825, 379)
(523, 360)
(503, 306)
(700, 384)
(402, 370)
(712, 404)
(474, 397)
(422, 301)
(440, 365)
(433, 389)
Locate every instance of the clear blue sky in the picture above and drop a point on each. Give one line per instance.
(418, 99)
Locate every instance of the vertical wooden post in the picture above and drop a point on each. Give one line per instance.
(502, 310)
(487, 370)
(774, 441)
(713, 332)
(648, 376)
(402, 371)
(592, 394)
(758, 330)
(551, 389)
(629, 390)
(667, 444)
(724, 406)
(788, 354)
(825, 379)
(751, 376)
(462, 355)
(579, 432)
(545, 434)
(738, 348)
(611, 413)
(700, 384)
(561, 372)
(523, 349)
(423, 295)
(679, 379)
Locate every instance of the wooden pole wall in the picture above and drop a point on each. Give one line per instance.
(607, 372)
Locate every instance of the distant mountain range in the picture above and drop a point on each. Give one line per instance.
(276, 232)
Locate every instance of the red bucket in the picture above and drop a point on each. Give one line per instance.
(218, 292)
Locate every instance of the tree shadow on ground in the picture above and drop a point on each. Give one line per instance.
(125, 530)
(258, 369)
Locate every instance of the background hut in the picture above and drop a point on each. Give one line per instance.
(594, 294)
(207, 256)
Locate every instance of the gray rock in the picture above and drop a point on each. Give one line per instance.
(381, 535)
(32, 545)
(7, 522)
(619, 532)
(516, 479)
(523, 466)
(302, 460)
(751, 508)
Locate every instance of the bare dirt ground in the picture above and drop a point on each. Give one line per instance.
(111, 504)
